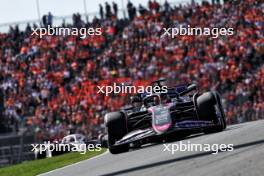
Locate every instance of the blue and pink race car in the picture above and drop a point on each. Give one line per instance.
(180, 112)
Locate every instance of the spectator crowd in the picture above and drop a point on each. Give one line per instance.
(49, 84)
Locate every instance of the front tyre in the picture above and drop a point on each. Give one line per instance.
(116, 128)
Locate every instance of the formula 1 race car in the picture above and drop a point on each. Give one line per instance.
(162, 116)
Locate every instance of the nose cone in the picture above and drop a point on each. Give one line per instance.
(161, 128)
(161, 119)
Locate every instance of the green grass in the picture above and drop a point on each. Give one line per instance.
(32, 168)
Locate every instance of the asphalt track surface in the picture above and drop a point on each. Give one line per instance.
(247, 158)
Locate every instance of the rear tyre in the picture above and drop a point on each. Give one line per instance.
(209, 107)
(116, 129)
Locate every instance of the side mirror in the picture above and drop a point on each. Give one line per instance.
(189, 89)
(192, 87)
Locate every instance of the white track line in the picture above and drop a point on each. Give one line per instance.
(98, 156)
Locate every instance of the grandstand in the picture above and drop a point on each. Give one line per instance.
(49, 83)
